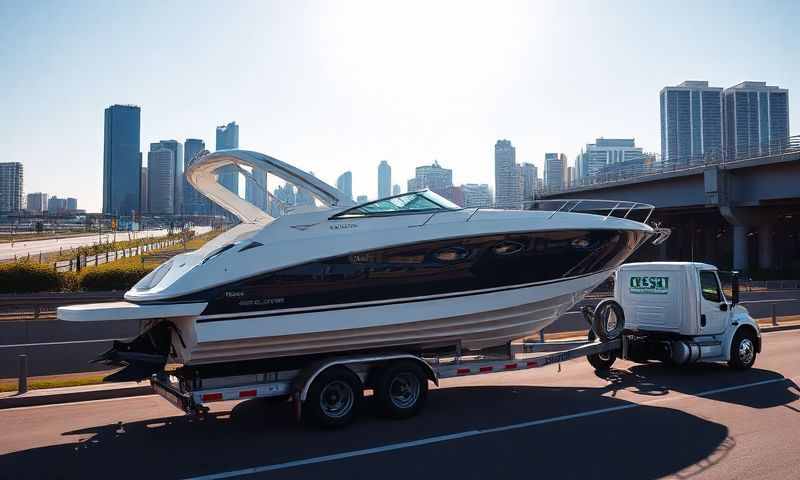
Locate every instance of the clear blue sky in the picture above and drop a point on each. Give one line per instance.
(331, 86)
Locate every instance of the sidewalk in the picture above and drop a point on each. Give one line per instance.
(47, 396)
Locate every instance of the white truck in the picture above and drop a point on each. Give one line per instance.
(677, 312)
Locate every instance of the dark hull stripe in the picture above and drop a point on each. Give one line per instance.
(401, 301)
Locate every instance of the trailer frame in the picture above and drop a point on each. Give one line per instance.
(193, 397)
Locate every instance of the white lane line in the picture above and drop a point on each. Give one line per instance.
(66, 342)
(468, 433)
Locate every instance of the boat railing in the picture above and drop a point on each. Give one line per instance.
(608, 208)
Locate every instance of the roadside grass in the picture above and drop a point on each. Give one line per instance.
(29, 276)
(55, 381)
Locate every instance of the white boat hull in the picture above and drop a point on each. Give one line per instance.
(477, 320)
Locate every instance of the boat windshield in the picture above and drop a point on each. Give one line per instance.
(413, 202)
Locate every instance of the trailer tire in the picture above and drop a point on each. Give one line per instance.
(601, 324)
(333, 398)
(401, 389)
(743, 350)
(601, 361)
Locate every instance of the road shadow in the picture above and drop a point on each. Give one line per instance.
(608, 435)
(655, 379)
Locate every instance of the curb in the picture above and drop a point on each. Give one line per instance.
(778, 328)
(28, 400)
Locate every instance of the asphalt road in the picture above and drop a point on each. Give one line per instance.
(21, 249)
(638, 421)
(55, 347)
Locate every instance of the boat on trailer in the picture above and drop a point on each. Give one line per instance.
(411, 274)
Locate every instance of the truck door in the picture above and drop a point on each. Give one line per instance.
(712, 317)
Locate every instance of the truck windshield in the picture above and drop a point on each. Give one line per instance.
(709, 286)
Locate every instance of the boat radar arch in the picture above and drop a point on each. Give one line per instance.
(202, 175)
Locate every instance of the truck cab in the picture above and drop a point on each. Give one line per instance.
(680, 313)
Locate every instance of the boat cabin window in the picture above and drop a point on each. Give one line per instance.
(414, 202)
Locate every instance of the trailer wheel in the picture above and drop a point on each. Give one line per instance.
(608, 320)
(333, 398)
(743, 350)
(401, 389)
(601, 361)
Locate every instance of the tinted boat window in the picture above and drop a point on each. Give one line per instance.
(429, 268)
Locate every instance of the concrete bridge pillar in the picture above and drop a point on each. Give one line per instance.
(740, 247)
(765, 247)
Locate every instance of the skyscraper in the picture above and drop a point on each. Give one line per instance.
(396, 189)
(691, 121)
(56, 205)
(176, 148)
(605, 151)
(384, 179)
(432, 177)
(255, 188)
(72, 204)
(476, 195)
(10, 187)
(555, 170)
(122, 159)
(227, 139)
(37, 203)
(161, 183)
(144, 200)
(454, 193)
(194, 202)
(529, 175)
(507, 179)
(345, 184)
(756, 117)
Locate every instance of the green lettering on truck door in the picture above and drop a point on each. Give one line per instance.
(649, 285)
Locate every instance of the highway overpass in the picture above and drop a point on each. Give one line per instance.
(742, 213)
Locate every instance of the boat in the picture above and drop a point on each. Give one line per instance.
(412, 272)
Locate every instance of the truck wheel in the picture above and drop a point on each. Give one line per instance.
(601, 361)
(333, 398)
(608, 320)
(401, 389)
(743, 350)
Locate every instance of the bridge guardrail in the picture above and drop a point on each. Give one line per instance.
(650, 164)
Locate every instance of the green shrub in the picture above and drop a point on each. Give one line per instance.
(120, 275)
(29, 277)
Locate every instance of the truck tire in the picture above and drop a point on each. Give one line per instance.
(333, 398)
(401, 389)
(603, 324)
(743, 350)
(601, 361)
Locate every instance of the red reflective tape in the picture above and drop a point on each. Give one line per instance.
(511, 366)
(533, 363)
(486, 369)
(212, 397)
(462, 371)
(247, 393)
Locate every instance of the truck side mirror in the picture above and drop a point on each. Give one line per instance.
(735, 288)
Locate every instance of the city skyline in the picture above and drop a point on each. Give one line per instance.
(454, 112)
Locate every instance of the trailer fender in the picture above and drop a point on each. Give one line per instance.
(305, 379)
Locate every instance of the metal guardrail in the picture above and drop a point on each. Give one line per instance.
(75, 264)
(650, 165)
(41, 303)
